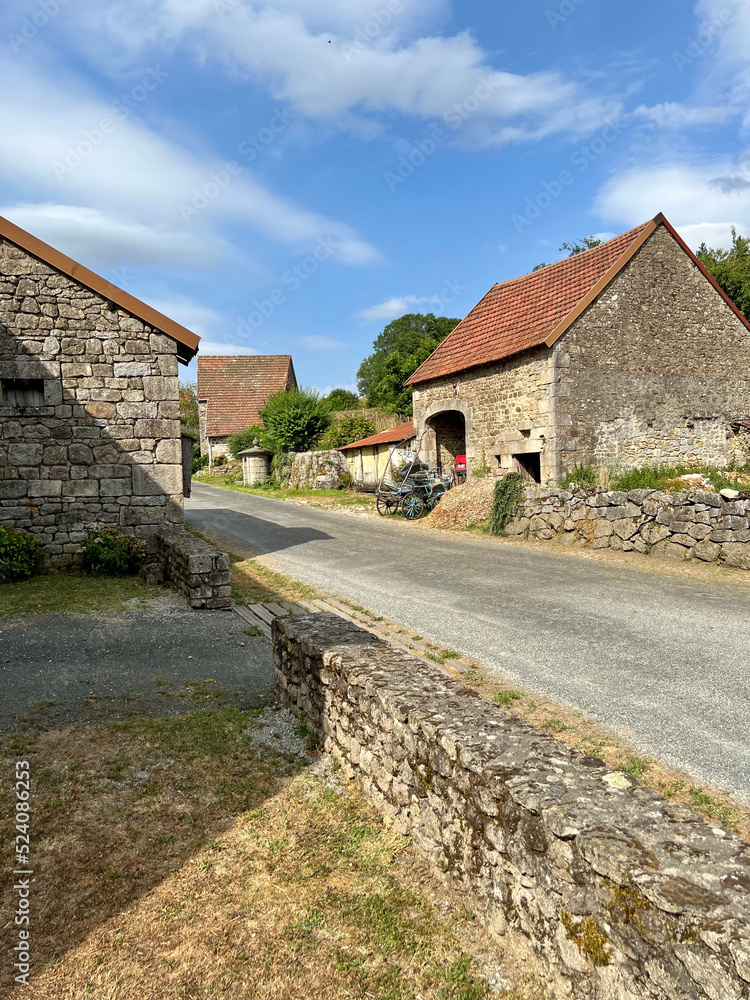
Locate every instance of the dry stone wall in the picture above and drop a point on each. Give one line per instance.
(692, 525)
(318, 470)
(196, 569)
(620, 894)
(101, 446)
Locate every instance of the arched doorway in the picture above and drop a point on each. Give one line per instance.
(449, 429)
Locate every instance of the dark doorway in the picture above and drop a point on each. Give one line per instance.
(450, 437)
(530, 466)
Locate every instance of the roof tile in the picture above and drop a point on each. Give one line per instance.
(237, 388)
(392, 436)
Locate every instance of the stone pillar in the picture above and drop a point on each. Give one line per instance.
(255, 463)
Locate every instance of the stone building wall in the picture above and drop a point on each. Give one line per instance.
(105, 446)
(508, 409)
(619, 894)
(656, 369)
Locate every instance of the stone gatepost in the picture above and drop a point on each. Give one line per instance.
(255, 464)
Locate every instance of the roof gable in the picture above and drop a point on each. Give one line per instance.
(536, 309)
(237, 387)
(187, 341)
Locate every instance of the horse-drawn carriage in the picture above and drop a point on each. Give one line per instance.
(409, 486)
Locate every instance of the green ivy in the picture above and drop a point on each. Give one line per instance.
(20, 555)
(508, 493)
(108, 553)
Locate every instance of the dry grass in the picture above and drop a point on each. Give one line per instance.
(70, 591)
(176, 858)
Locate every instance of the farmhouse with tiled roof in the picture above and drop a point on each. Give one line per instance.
(629, 353)
(232, 390)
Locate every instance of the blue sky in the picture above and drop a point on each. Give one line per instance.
(288, 176)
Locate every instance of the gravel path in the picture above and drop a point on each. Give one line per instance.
(64, 668)
(663, 659)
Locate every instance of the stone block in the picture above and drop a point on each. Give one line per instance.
(45, 488)
(169, 452)
(626, 527)
(156, 387)
(25, 454)
(707, 551)
(81, 488)
(128, 369)
(157, 479)
(736, 554)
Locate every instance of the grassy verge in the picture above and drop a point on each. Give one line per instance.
(658, 477)
(181, 857)
(323, 498)
(69, 592)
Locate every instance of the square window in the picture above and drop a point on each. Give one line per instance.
(20, 393)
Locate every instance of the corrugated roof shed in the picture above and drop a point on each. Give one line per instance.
(392, 436)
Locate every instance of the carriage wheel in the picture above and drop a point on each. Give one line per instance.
(386, 504)
(413, 506)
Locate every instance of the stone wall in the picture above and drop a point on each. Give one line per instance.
(620, 894)
(104, 448)
(317, 470)
(196, 569)
(656, 369)
(692, 525)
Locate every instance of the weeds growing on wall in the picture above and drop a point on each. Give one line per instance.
(581, 475)
(508, 493)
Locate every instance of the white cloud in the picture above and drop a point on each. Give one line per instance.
(210, 348)
(322, 344)
(314, 58)
(73, 152)
(394, 307)
(676, 116)
(697, 200)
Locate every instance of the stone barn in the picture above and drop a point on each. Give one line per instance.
(232, 390)
(89, 401)
(628, 354)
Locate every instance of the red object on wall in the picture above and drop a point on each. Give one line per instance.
(460, 463)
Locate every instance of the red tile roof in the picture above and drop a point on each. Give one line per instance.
(237, 387)
(187, 341)
(392, 436)
(532, 310)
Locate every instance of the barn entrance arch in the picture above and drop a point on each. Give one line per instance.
(445, 433)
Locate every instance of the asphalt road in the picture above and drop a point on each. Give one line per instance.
(63, 668)
(663, 659)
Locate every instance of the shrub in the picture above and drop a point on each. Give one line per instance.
(342, 399)
(244, 439)
(199, 462)
(346, 431)
(108, 553)
(20, 555)
(294, 419)
(508, 493)
(581, 475)
(482, 468)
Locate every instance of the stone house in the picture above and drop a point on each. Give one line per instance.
(368, 458)
(89, 401)
(232, 390)
(628, 354)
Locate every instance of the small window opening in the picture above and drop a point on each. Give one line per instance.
(22, 392)
(530, 466)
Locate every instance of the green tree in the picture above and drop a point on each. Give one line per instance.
(189, 409)
(399, 350)
(731, 269)
(294, 419)
(245, 438)
(580, 246)
(347, 431)
(342, 399)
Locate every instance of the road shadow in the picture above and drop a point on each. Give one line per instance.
(247, 530)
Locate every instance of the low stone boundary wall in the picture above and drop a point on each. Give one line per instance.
(620, 894)
(690, 525)
(198, 570)
(318, 470)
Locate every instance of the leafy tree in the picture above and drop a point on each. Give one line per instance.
(294, 419)
(342, 399)
(580, 246)
(347, 431)
(731, 269)
(244, 439)
(189, 408)
(399, 350)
